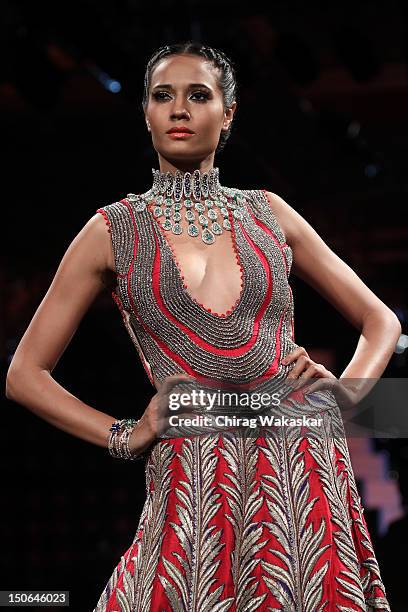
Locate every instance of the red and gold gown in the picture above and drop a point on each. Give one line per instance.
(268, 522)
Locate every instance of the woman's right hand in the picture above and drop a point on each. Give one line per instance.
(155, 419)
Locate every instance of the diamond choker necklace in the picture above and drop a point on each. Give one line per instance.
(173, 192)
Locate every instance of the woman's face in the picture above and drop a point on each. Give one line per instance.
(184, 92)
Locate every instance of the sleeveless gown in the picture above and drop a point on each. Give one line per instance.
(229, 523)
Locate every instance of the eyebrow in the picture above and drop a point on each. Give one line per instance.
(191, 85)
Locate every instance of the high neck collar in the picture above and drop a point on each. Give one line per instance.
(186, 184)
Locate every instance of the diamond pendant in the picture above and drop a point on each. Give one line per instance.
(192, 230)
(216, 228)
(207, 236)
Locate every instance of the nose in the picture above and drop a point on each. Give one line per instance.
(181, 112)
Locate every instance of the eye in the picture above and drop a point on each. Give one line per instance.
(158, 95)
(201, 93)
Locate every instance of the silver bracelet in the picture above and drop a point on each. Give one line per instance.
(118, 444)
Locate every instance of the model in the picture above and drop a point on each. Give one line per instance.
(200, 274)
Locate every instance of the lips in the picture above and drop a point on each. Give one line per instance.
(180, 130)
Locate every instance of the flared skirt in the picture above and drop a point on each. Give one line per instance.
(270, 520)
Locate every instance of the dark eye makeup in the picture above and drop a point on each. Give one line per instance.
(157, 95)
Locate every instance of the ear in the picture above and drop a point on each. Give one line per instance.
(228, 116)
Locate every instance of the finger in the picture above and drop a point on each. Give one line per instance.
(320, 384)
(302, 380)
(295, 354)
(303, 364)
(313, 372)
(173, 380)
(187, 406)
(173, 403)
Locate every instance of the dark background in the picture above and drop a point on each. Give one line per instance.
(322, 121)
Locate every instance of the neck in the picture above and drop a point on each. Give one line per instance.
(196, 184)
(203, 165)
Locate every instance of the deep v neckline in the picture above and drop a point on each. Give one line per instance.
(170, 249)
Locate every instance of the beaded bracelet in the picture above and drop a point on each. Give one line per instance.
(118, 444)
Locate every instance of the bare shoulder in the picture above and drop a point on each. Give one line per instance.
(97, 233)
(286, 215)
(91, 249)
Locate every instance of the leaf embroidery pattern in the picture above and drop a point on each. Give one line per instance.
(191, 583)
(295, 583)
(241, 455)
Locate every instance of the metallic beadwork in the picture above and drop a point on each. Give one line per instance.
(188, 185)
(196, 184)
(225, 332)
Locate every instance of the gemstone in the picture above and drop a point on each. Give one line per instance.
(190, 216)
(192, 230)
(177, 229)
(168, 201)
(207, 236)
(216, 228)
(141, 206)
(177, 217)
(212, 214)
(224, 211)
(129, 422)
(166, 224)
(167, 212)
(188, 203)
(199, 207)
(209, 203)
(226, 224)
(203, 220)
(157, 211)
(177, 205)
(237, 214)
(159, 200)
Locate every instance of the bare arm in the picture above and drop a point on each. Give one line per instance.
(316, 264)
(85, 270)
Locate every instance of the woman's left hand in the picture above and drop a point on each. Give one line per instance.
(305, 369)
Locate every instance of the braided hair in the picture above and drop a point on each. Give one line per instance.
(226, 79)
